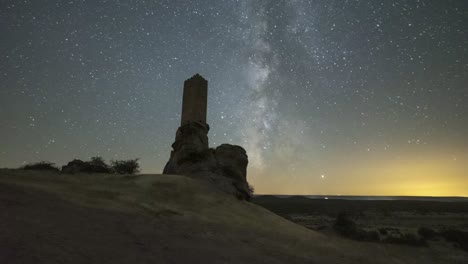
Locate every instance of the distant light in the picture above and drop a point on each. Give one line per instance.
(322, 176)
(326, 198)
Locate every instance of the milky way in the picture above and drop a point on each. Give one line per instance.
(328, 97)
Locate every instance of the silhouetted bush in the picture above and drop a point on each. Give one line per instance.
(125, 166)
(460, 238)
(98, 165)
(42, 165)
(345, 226)
(383, 231)
(95, 165)
(389, 231)
(407, 239)
(371, 235)
(427, 233)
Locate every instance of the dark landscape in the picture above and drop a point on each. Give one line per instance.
(416, 221)
(48, 217)
(234, 132)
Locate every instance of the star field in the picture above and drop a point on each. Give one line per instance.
(327, 97)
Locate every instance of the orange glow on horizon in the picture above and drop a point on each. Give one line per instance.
(424, 176)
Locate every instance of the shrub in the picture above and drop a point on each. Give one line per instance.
(125, 166)
(345, 226)
(95, 165)
(348, 228)
(372, 235)
(389, 231)
(97, 161)
(460, 238)
(76, 166)
(427, 233)
(98, 165)
(383, 231)
(42, 165)
(343, 222)
(407, 239)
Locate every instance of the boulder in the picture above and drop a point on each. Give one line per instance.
(232, 160)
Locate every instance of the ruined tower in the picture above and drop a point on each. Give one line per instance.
(194, 102)
(224, 167)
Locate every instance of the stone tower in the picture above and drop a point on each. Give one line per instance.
(224, 167)
(194, 102)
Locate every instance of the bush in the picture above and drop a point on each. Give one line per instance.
(95, 165)
(460, 238)
(427, 233)
(345, 226)
(389, 231)
(42, 165)
(98, 165)
(407, 239)
(344, 223)
(348, 228)
(383, 231)
(125, 166)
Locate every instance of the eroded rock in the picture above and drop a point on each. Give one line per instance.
(225, 166)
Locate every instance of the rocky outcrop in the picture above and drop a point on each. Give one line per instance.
(225, 166)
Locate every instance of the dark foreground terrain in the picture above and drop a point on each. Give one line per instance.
(427, 222)
(92, 218)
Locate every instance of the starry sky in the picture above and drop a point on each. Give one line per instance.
(327, 97)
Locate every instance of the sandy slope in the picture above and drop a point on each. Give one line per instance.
(55, 218)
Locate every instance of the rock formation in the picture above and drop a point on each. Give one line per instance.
(225, 166)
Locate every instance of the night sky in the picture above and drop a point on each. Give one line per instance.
(327, 97)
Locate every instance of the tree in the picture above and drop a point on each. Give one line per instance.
(125, 166)
(97, 164)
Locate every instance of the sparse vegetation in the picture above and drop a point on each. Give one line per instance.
(383, 231)
(389, 231)
(41, 165)
(345, 226)
(98, 165)
(460, 238)
(95, 165)
(427, 233)
(407, 239)
(125, 166)
(393, 221)
(344, 223)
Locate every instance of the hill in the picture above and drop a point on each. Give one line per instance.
(96, 218)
